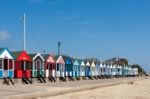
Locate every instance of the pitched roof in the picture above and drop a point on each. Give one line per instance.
(21, 55)
(67, 59)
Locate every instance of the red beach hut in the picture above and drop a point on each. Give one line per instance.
(22, 64)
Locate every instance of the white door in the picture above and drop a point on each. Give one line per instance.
(5, 73)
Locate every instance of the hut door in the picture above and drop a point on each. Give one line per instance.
(5, 67)
(38, 66)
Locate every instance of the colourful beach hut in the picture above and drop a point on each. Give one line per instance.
(123, 70)
(108, 69)
(68, 66)
(22, 64)
(105, 69)
(97, 69)
(101, 69)
(93, 68)
(82, 68)
(37, 64)
(114, 70)
(6, 63)
(60, 66)
(50, 66)
(120, 70)
(87, 69)
(76, 68)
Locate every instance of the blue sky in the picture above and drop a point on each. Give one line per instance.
(87, 28)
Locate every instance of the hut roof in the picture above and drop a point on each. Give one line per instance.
(21, 55)
(67, 59)
(5, 53)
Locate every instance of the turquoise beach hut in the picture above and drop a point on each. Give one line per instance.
(76, 68)
(6, 63)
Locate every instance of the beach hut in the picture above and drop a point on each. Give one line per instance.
(68, 66)
(76, 68)
(22, 64)
(108, 69)
(93, 68)
(37, 64)
(101, 69)
(104, 69)
(6, 63)
(60, 66)
(82, 68)
(97, 69)
(126, 70)
(50, 66)
(123, 70)
(87, 69)
(111, 69)
(114, 72)
(120, 70)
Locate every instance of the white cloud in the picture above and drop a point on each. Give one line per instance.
(4, 35)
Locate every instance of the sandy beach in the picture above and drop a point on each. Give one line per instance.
(117, 88)
(130, 90)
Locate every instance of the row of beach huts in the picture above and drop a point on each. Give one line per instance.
(21, 67)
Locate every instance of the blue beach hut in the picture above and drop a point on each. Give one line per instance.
(87, 69)
(6, 63)
(68, 66)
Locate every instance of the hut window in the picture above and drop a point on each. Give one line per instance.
(5, 64)
(10, 64)
(51, 66)
(21, 65)
(0, 64)
(28, 67)
(47, 66)
(38, 64)
(57, 67)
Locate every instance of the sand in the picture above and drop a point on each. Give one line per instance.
(129, 90)
(118, 88)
